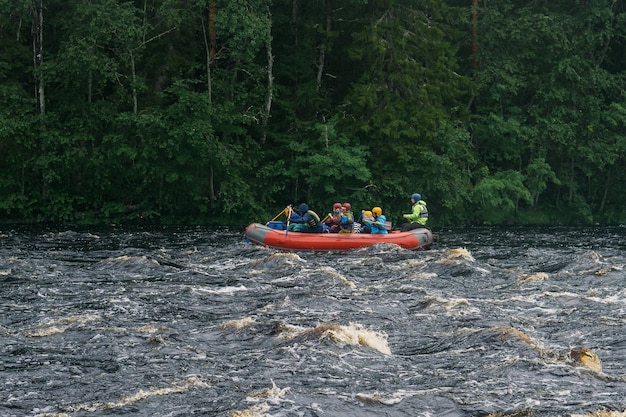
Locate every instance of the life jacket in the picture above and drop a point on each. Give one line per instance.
(315, 219)
(346, 223)
(424, 213)
(379, 225)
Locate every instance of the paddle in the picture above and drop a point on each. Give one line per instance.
(289, 209)
(279, 214)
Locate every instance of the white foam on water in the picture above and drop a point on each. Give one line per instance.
(192, 381)
(355, 335)
(220, 290)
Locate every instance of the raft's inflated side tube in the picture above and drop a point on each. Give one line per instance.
(263, 235)
(256, 233)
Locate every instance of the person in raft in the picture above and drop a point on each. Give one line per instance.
(419, 215)
(333, 219)
(346, 220)
(304, 220)
(378, 225)
(366, 221)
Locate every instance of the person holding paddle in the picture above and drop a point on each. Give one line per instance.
(346, 221)
(304, 220)
(378, 225)
(333, 219)
(419, 215)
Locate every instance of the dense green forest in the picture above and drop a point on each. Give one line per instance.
(223, 112)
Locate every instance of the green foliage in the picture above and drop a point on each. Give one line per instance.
(362, 101)
(245, 27)
(498, 196)
(329, 162)
(538, 175)
(404, 104)
(545, 97)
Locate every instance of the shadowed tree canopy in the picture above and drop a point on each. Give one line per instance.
(223, 112)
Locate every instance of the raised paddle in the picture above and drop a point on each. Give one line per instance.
(279, 214)
(289, 210)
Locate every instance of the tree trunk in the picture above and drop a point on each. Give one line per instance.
(475, 36)
(212, 196)
(606, 190)
(294, 21)
(145, 18)
(89, 86)
(19, 30)
(211, 46)
(570, 197)
(212, 31)
(321, 63)
(474, 39)
(38, 55)
(134, 81)
(270, 77)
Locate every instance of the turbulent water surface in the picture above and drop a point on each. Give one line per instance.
(179, 321)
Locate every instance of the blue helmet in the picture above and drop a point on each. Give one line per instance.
(303, 208)
(416, 197)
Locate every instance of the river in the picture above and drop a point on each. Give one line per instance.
(180, 321)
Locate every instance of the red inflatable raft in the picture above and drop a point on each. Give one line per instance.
(260, 234)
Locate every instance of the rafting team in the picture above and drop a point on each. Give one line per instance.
(341, 220)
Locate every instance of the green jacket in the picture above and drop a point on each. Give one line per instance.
(419, 214)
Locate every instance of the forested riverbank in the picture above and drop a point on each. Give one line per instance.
(223, 112)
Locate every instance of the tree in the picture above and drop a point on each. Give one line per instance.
(407, 100)
(547, 78)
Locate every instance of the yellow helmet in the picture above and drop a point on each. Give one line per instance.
(377, 211)
(368, 213)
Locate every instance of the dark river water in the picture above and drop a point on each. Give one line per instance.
(180, 321)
